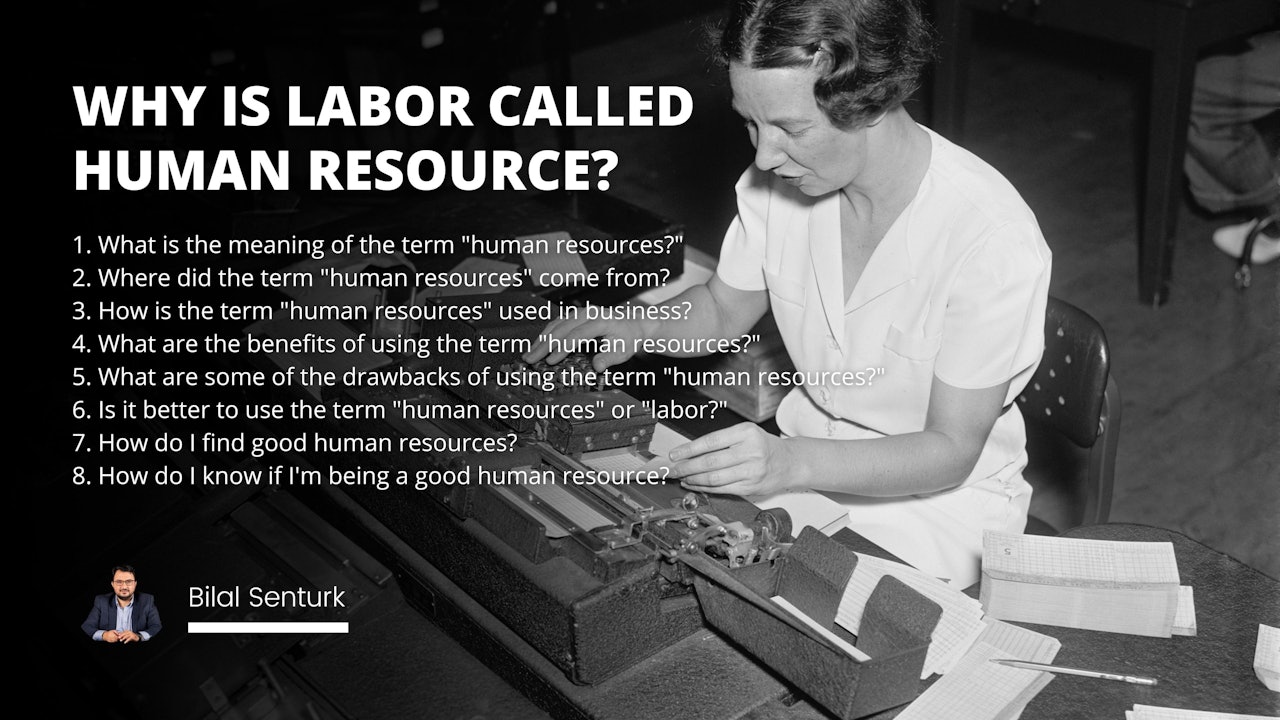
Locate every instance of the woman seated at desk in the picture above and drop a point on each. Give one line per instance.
(877, 244)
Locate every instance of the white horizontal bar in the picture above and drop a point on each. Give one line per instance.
(265, 628)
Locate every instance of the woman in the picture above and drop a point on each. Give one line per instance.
(877, 244)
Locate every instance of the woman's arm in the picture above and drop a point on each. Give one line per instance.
(746, 460)
(715, 310)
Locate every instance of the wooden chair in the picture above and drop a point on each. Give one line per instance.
(1072, 396)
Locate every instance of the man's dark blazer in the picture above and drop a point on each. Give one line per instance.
(103, 615)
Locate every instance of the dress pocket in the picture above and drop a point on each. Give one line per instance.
(782, 288)
(912, 345)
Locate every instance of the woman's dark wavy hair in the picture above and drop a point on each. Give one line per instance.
(869, 53)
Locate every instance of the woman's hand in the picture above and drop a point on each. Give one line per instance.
(714, 310)
(575, 334)
(742, 460)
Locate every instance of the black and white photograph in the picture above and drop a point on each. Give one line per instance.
(632, 359)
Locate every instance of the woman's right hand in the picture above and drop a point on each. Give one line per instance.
(562, 337)
(710, 311)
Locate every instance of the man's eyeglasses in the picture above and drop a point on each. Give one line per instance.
(123, 582)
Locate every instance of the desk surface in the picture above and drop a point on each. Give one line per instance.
(706, 677)
(1211, 671)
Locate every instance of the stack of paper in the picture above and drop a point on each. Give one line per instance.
(1184, 620)
(1152, 712)
(959, 626)
(978, 689)
(1022, 644)
(1266, 657)
(1123, 587)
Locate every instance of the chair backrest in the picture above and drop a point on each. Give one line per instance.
(1074, 394)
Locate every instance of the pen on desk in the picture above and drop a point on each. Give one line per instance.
(1134, 679)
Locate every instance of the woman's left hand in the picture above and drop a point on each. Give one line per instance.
(742, 460)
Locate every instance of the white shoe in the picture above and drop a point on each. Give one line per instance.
(1230, 240)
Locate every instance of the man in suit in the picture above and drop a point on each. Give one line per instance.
(123, 615)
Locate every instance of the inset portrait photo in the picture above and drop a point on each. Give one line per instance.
(123, 615)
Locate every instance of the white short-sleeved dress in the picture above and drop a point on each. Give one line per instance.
(956, 289)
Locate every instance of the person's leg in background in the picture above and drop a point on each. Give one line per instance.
(1229, 164)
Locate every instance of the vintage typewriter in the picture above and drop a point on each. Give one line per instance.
(534, 492)
(559, 531)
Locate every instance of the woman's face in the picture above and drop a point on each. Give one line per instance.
(792, 136)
